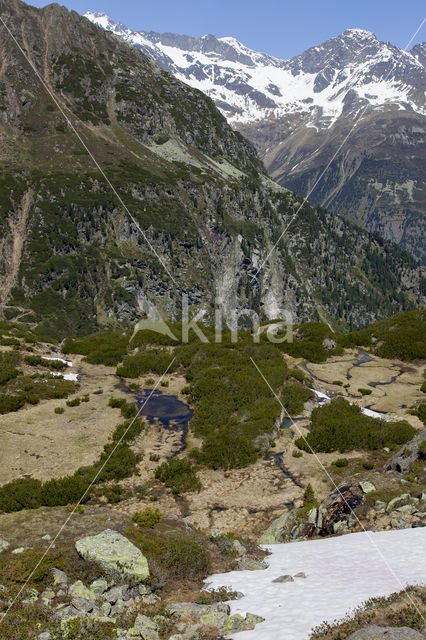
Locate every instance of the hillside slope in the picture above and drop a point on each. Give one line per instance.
(201, 218)
(299, 112)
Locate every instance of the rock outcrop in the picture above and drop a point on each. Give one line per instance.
(116, 555)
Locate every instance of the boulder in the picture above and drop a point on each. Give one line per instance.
(400, 523)
(366, 486)
(116, 555)
(98, 587)
(59, 577)
(144, 628)
(286, 578)
(239, 549)
(409, 453)
(248, 564)
(274, 532)
(82, 598)
(401, 501)
(386, 633)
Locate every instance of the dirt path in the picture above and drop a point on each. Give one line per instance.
(12, 249)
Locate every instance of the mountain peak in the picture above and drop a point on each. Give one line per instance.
(362, 34)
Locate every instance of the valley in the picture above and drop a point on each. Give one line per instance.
(212, 392)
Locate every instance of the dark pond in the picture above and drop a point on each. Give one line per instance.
(168, 410)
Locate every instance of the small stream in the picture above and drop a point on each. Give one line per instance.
(278, 458)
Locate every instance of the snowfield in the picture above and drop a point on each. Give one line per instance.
(341, 574)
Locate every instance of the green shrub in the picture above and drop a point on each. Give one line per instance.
(365, 392)
(147, 518)
(9, 403)
(422, 450)
(423, 387)
(185, 558)
(105, 347)
(150, 361)
(39, 361)
(24, 493)
(59, 410)
(179, 475)
(128, 409)
(341, 462)
(341, 426)
(294, 396)
(25, 564)
(75, 402)
(368, 465)
(296, 453)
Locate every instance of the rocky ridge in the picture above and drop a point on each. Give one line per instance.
(299, 111)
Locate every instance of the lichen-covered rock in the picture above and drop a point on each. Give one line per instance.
(401, 501)
(239, 549)
(82, 598)
(249, 564)
(274, 532)
(98, 587)
(4, 545)
(144, 628)
(286, 578)
(386, 633)
(59, 577)
(400, 523)
(115, 554)
(366, 486)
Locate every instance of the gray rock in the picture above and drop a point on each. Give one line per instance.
(98, 587)
(144, 628)
(118, 607)
(286, 578)
(150, 598)
(407, 509)
(239, 549)
(59, 577)
(301, 574)
(366, 486)
(386, 633)
(380, 506)
(115, 554)
(399, 523)
(400, 501)
(4, 545)
(274, 532)
(46, 635)
(248, 564)
(82, 598)
(408, 453)
(115, 594)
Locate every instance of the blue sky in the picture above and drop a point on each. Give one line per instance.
(278, 27)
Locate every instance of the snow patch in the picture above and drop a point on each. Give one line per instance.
(342, 573)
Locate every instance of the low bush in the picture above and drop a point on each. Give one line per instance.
(365, 392)
(104, 347)
(75, 402)
(341, 426)
(341, 462)
(59, 410)
(178, 475)
(38, 361)
(150, 361)
(128, 409)
(368, 465)
(147, 518)
(10, 403)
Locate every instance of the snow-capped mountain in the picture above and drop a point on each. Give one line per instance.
(298, 112)
(249, 86)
